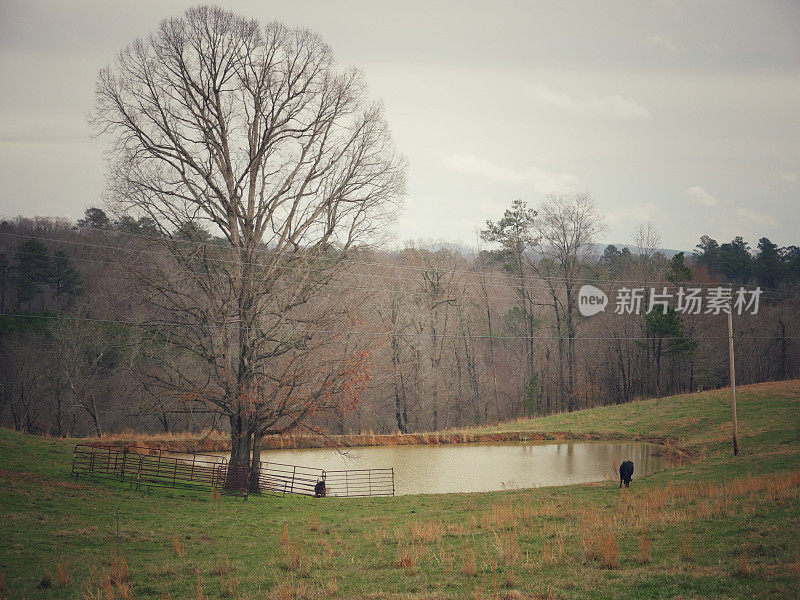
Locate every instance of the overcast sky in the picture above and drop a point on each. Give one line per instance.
(686, 114)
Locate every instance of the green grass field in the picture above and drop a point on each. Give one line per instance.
(719, 527)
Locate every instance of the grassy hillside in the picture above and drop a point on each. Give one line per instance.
(720, 527)
(766, 412)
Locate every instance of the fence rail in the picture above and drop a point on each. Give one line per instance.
(141, 466)
(147, 467)
(362, 482)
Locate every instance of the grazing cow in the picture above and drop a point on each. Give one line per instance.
(319, 489)
(625, 473)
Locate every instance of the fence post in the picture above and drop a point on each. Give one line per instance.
(392, 481)
(139, 472)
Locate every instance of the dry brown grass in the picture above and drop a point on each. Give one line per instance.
(165, 595)
(742, 567)
(313, 522)
(644, 549)
(681, 503)
(111, 582)
(378, 536)
(294, 559)
(63, 575)
(686, 548)
(468, 565)
(507, 547)
(599, 539)
(284, 539)
(124, 592)
(331, 588)
(228, 584)
(184, 442)
(408, 555)
(510, 580)
(177, 547)
(289, 589)
(456, 529)
(118, 570)
(424, 531)
(609, 551)
(553, 551)
(222, 568)
(591, 530)
(500, 515)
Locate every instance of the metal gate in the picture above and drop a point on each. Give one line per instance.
(142, 466)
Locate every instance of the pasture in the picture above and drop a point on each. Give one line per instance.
(710, 526)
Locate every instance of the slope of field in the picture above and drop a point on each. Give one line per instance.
(718, 527)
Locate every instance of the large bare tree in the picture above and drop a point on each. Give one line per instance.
(250, 133)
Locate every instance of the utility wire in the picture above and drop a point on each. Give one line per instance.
(539, 281)
(204, 326)
(768, 292)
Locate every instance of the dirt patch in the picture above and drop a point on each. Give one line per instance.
(677, 456)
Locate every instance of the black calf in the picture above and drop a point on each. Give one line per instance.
(625, 473)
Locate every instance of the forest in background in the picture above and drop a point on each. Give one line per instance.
(447, 336)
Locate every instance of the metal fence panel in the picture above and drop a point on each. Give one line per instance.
(142, 466)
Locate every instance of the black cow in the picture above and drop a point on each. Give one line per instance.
(319, 489)
(625, 473)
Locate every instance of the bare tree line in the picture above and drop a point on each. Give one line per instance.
(433, 337)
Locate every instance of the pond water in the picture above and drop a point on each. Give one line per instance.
(441, 469)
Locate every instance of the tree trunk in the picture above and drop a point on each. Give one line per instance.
(240, 450)
(59, 416)
(494, 365)
(255, 469)
(570, 323)
(782, 339)
(400, 410)
(571, 372)
(93, 413)
(561, 385)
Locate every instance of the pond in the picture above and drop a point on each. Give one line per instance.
(441, 469)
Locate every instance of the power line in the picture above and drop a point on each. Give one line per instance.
(540, 282)
(202, 326)
(773, 292)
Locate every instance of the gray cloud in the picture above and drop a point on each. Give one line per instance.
(663, 42)
(590, 105)
(541, 181)
(700, 195)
